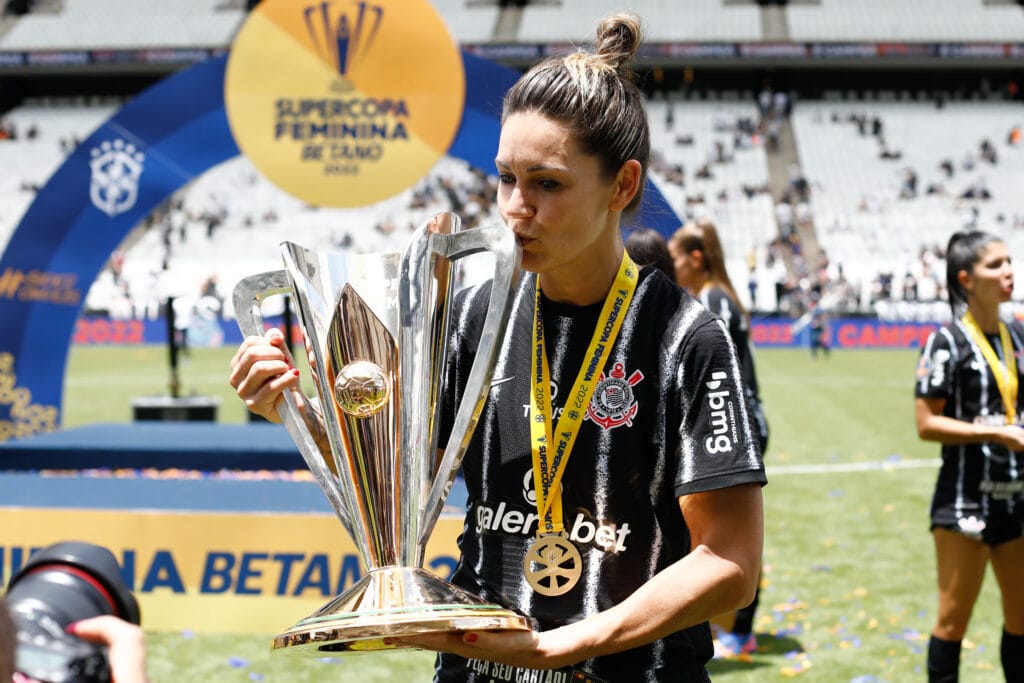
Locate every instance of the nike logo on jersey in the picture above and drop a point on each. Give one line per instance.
(499, 382)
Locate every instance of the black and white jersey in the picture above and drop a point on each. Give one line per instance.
(721, 305)
(952, 367)
(667, 418)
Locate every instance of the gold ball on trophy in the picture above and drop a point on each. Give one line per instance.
(361, 388)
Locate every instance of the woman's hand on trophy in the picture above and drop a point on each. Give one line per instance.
(262, 370)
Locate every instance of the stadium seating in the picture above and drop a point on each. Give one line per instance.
(856, 195)
(862, 214)
(84, 24)
(666, 20)
(257, 216)
(29, 163)
(468, 23)
(212, 23)
(904, 20)
(250, 205)
(734, 195)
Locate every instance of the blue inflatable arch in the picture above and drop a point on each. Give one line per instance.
(176, 129)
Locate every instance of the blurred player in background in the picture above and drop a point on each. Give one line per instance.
(700, 269)
(648, 248)
(967, 399)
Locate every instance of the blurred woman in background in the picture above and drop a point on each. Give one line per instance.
(699, 265)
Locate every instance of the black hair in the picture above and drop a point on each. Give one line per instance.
(595, 95)
(648, 248)
(962, 253)
(703, 237)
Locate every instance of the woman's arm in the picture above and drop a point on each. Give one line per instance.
(719, 575)
(933, 425)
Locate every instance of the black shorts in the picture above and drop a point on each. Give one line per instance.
(1000, 525)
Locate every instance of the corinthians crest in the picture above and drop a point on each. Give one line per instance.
(114, 181)
(613, 404)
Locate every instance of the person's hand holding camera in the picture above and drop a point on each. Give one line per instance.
(125, 640)
(71, 618)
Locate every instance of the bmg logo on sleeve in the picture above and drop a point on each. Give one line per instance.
(721, 416)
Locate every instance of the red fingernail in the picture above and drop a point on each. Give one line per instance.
(471, 637)
(70, 628)
(295, 371)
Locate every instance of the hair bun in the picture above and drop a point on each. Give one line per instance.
(618, 38)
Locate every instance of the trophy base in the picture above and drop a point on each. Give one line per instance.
(391, 602)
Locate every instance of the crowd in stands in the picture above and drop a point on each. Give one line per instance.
(193, 244)
(9, 131)
(710, 162)
(890, 180)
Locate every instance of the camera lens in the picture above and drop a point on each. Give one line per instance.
(71, 581)
(59, 585)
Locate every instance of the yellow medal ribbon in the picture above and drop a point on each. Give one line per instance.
(1005, 373)
(547, 471)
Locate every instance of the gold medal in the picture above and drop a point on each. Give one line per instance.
(552, 565)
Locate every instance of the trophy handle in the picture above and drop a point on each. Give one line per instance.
(249, 295)
(500, 241)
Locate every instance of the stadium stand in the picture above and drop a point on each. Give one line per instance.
(214, 220)
(881, 199)
(701, 20)
(210, 232)
(43, 136)
(126, 24)
(711, 163)
(70, 24)
(469, 23)
(878, 203)
(912, 20)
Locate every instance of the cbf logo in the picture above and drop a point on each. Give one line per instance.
(613, 404)
(343, 37)
(114, 181)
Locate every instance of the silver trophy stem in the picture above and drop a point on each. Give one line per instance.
(248, 299)
(501, 242)
(425, 292)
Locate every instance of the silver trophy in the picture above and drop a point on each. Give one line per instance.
(376, 328)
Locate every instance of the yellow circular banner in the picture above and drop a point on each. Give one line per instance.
(341, 102)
